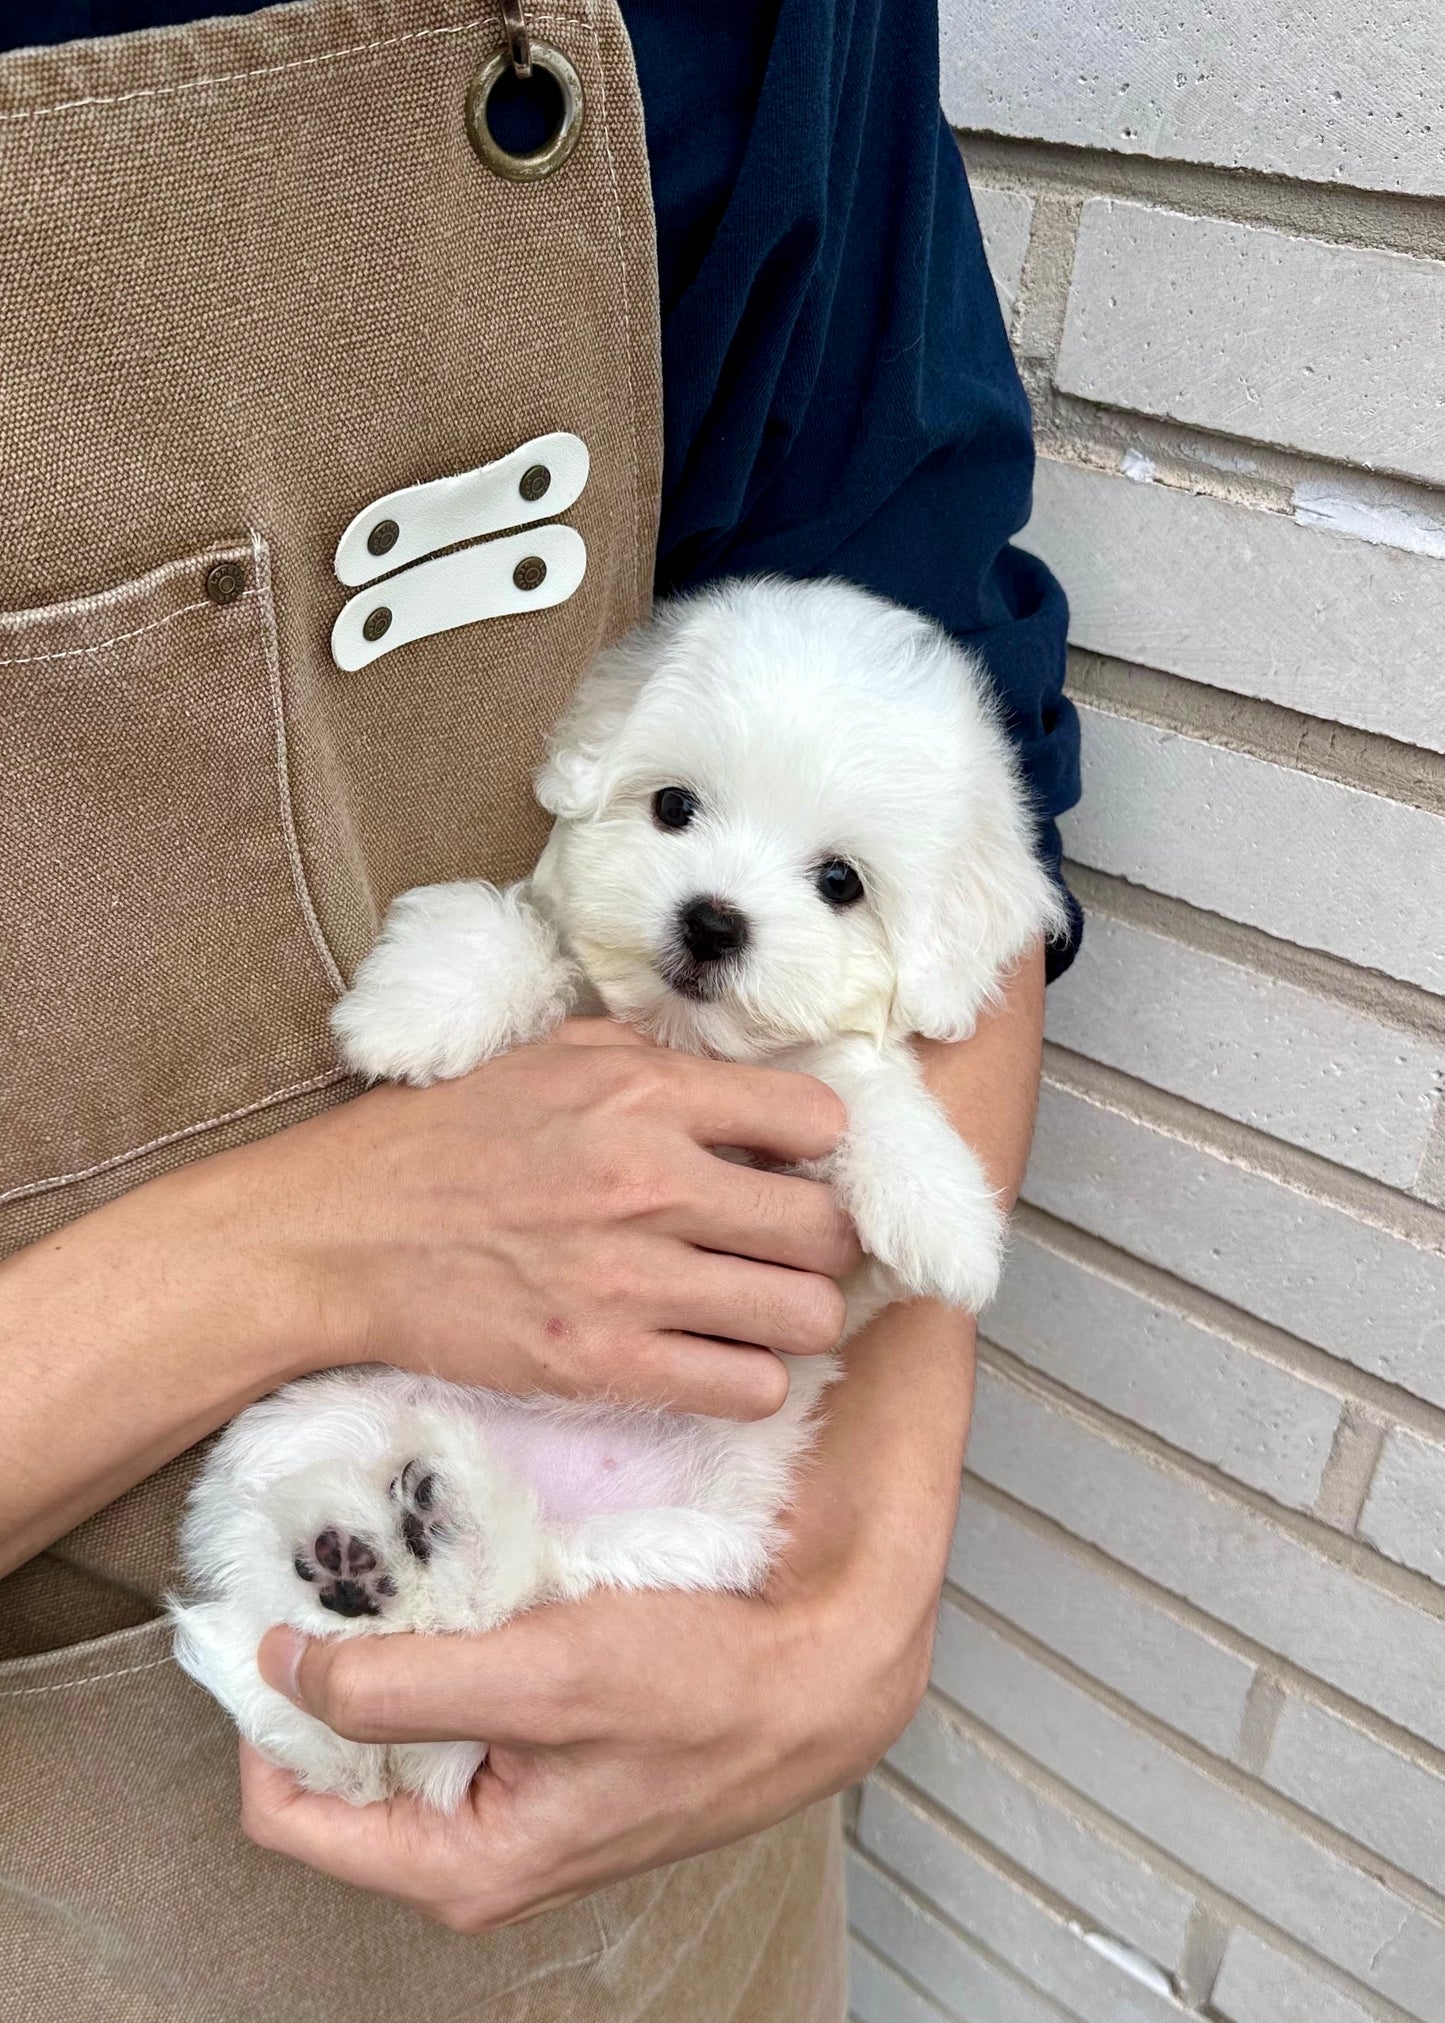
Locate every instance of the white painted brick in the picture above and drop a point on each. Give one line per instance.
(958, 1773)
(1335, 92)
(1210, 1396)
(1363, 1293)
(1311, 1072)
(1006, 218)
(1215, 1552)
(1305, 858)
(1404, 1513)
(1079, 1609)
(1318, 347)
(959, 1979)
(1016, 1926)
(1257, 1984)
(877, 1995)
(1371, 1792)
(1247, 601)
(1244, 1848)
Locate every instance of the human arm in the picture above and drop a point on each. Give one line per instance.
(553, 1221)
(631, 1730)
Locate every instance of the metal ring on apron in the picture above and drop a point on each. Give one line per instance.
(544, 161)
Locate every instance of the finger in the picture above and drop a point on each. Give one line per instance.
(400, 1848)
(784, 1116)
(798, 1313)
(717, 1379)
(778, 1218)
(523, 1684)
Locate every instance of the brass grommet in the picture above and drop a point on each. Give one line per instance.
(376, 622)
(547, 160)
(534, 483)
(530, 573)
(224, 582)
(382, 537)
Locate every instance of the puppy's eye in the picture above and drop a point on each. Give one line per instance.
(839, 883)
(673, 807)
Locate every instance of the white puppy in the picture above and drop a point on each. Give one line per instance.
(788, 828)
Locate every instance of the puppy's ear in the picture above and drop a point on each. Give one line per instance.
(990, 899)
(573, 780)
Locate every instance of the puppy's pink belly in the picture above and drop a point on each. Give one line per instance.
(585, 1470)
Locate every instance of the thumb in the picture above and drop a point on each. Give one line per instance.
(516, 1685)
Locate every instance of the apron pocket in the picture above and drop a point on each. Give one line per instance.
(162, 969)
(127, 1890)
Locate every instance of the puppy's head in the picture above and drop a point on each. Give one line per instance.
(786, 812)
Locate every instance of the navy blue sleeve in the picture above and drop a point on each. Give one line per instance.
(839, 394)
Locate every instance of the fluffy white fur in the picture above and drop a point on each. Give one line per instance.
(810, 723)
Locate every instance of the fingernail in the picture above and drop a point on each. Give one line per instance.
(278, 1658)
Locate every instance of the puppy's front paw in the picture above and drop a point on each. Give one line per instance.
(462, 972)
(938, 1227)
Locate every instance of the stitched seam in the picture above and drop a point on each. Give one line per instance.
(626, 287)
(173, 1137)
(72, 1685)
(262, 557)
(267, 70)
(117, 639)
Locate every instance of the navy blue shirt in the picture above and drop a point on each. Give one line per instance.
(838, 393)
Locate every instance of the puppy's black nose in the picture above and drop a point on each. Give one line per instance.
(710, 931)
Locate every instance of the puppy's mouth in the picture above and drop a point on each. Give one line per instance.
(698, 982)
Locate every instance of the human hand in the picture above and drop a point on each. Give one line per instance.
(628, 1730)
(556, 1220)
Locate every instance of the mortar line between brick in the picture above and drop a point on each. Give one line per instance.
(991, 1858)
(1354, 1456)
(1263, 1705)
(1046, 279)
(1429, 1181)
(1386, 1000)
(898, 1968)
(1351, 1555)
(1364, 761)
(1238, 1912)
(1238, 469)
(1055, 1788)
(1298, 1681)
(1358, 220)
(1242, 1145)
(1194, 461)
(1373, 1396)
(1203, 1954)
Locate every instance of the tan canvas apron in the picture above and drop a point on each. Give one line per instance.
(253, 276)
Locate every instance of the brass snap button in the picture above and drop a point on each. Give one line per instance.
(382, 537)
(545, 160)
(530, 573)
(534, 483)
(376, 622)
(224, 582)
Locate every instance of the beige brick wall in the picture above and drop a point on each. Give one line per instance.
(1184, 1754)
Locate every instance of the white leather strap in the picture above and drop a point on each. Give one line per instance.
(508, 493)
(457, 589)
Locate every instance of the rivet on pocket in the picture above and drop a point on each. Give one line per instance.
(225, 582)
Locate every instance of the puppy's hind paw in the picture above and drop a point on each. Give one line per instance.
(360, 1570)
(346, 1572)
(415, 1492)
